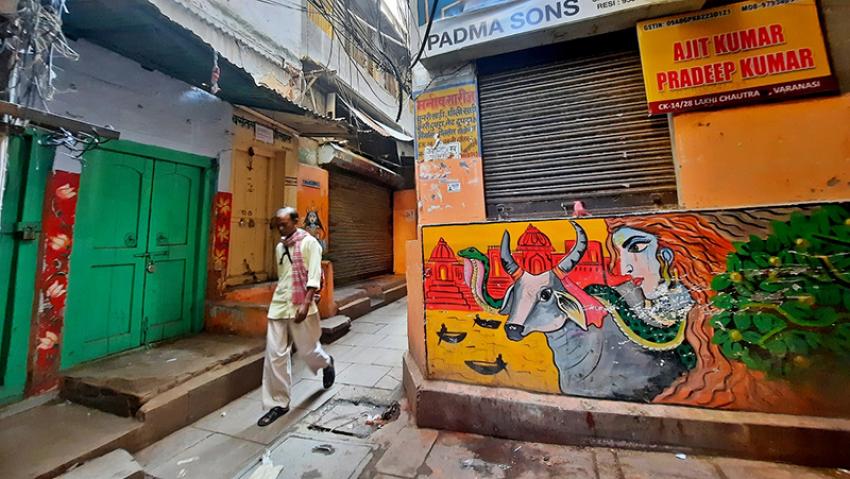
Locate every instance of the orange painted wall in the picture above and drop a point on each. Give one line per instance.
(404, 227)
(789, 152)
(313, 198)
(415, 303)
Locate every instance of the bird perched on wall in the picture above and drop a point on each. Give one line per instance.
(578, 209)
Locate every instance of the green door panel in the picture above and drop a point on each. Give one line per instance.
(173, 248)
(105, 297)
(29, 164)
(138, 259)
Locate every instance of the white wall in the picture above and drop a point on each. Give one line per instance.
(148, 107)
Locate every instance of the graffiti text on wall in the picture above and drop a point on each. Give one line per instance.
(448, 158)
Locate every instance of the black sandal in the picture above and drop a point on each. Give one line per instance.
(272, 416)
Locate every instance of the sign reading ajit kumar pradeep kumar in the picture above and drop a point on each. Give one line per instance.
(740, 53)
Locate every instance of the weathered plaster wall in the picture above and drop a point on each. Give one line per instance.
(404, 227)
(148, 107)
(730, 309)
(836, 22)
(415, 303)
(449, 169)
(789, 152)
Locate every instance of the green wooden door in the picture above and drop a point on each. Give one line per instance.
(29, 163)
(107, 270)
(172, 240)
(137, 261)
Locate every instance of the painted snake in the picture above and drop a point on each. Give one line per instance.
(477, 272)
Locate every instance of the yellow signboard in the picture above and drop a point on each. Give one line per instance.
(739, 53)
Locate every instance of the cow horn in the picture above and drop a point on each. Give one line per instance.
(508, 261)
(574, 256)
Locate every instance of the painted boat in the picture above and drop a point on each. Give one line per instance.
(488, 368)
(452, 337)
(487, 323)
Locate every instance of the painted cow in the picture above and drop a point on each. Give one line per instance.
(594, 358)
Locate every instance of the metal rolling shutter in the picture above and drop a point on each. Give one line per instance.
(361, 234)
(573, 129)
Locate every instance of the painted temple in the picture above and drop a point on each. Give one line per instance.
(445, 287)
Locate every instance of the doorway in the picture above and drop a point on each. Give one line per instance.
(138, 261)
(250, 251)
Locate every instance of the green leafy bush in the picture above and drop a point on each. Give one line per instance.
(784, 300)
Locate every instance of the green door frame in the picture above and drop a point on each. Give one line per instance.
(23, 199)
(210, 185)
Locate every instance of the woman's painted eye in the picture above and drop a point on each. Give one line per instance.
(638, 247)
(546, 294)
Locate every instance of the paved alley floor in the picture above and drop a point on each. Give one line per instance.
(335, 434)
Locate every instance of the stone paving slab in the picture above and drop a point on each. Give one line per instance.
(239, 419)
(164, 450)
(742, 469)
(362, 375)
(304, 457)
(407, 452)
(652, 465)
(118, 464)
(217, 456)
(360, 326)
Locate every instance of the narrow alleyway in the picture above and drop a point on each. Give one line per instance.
(327, 433)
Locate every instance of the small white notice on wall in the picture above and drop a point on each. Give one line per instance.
(264, 134)
(453, 186)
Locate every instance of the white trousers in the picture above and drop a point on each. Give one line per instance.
(277, 369)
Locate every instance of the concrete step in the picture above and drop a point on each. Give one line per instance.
(118, 464)
(44, 441)
(129, 401)
(47, 440)
(122, 384)
(360, 298)
(334, 328)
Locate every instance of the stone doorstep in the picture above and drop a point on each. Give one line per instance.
(357, 308)
(121, 384)
(178, 408)
(525, 416)
(334, 328)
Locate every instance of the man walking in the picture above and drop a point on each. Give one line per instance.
(293, 316)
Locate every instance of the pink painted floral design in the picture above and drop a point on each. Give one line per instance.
(59, 242)
(66, 192)
(47, 341)
(56, 290)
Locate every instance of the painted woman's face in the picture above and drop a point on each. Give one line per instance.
(638, 252)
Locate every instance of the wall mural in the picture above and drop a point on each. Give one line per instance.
(222, 212)
(744, 310)
(60, 207)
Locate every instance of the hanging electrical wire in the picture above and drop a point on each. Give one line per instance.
(425, 36)
(35, 39)
(355, 35)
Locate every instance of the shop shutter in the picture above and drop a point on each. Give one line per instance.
(573, 128)
(361, 232)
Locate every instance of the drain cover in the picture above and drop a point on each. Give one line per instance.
(354, 418)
